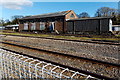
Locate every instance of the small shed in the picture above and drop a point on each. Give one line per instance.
(95, 24)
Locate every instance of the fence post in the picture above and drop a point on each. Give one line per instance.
(20, 63)
(4, 60)
(1, 62)
(74, 75)
(36, 69)
(44, 68)
(63, 72)
(53, 69)
(30, 76)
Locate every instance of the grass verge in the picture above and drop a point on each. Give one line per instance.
(60, 37)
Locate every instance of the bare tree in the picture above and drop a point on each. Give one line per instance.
(83, 15)
(7, 20)
(1, 22)
(15, 19)
(105, 12)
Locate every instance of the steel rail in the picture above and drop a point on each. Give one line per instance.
(93, 41)
(68, 55)
(65, 66)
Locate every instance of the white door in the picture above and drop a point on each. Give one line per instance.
(110, 25)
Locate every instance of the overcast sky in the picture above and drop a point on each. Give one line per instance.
(34, 7)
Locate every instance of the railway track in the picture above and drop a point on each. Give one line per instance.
(90, 41)
(104, 52)
(93, 75)
(95, 63)
(68, 55)
(16, 65)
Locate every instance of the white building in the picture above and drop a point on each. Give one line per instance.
(115, 27)
(2, 27)
(12, 27)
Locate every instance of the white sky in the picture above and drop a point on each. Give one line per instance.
(15, 4)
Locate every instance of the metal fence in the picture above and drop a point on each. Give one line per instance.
(13, 65)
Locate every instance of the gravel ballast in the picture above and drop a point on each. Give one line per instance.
(104, 52)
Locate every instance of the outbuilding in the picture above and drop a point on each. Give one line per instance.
(95, 24)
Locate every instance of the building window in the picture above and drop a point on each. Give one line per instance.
(25, 26)
(72, 15)
(33, 26)
(42, 26)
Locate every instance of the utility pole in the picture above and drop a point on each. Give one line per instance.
(119, 8)
(2, 21)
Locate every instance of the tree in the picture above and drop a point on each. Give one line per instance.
(1, 22)
(83, 15)
(7, 22)
(106, 12)
(117, 20)
(15, 19)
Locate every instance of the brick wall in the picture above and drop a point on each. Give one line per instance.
(21, 27)
(37, 25)
(59, 26)
(69, 14)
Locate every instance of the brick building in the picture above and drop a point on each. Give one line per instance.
(47, 22)
(65, 22)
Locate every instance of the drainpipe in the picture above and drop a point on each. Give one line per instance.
(99, 26)
(63, 26)
(73, 27)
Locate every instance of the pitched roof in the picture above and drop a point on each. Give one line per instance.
(48, 15)
(115, 25)
(89, 18)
